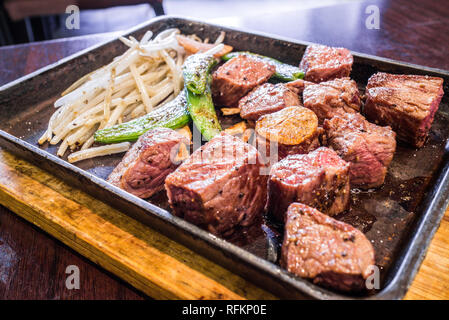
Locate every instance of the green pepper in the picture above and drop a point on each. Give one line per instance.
(173, 115)
(197, 81)
(195, 71)
(202, 111)
(284, 72)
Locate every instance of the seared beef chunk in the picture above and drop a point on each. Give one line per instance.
(368, 147)
(291, 130)
(237, 77)
(331, 253)
(144, 167)
(322, 63)
(319, 179)
(267, 98)
(406, 103)
(220, 186)
(329, 98)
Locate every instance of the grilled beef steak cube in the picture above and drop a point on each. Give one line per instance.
(329, 252)
(144, 167)
(333, 97)
(291, 130)
(267, 98)
(319, 179)
(220, 186)
(368, 147)
(237, 77)
(406, 103)
(322, 63)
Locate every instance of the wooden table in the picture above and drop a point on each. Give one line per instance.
(32, 264)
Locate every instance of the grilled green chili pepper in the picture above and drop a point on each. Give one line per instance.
(284, 72)
(197, 80)
(173, 115)
(203, 114)
(195, 71)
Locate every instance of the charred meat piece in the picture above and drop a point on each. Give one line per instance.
(291, 130)
(329, 252)
(220, 186)
(322, 63)
(145, 166)
(406, 103)
(333, 97)
(368, 147)
(267, 98)
(319, 179)
(237, 77)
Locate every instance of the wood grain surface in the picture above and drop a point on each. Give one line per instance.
(32, 264)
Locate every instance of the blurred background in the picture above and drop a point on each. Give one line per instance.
(36, 20)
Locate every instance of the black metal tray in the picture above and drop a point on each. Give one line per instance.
(400, 218)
